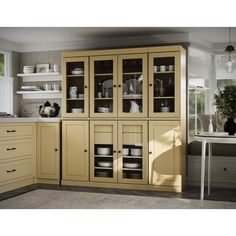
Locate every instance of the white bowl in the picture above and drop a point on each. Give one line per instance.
(103, 109)
(77, 72)
(104, 163)
(134, 165)
(104, 151)
(165, 109)
(136, 152)
(77, 110)
(125, 151)
(102, 174)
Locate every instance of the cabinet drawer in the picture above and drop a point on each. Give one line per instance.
(16, 169)
(16, 148)
(7, 131)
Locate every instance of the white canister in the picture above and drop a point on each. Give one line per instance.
(55, 68)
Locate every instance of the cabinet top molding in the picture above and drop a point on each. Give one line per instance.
(176, 48)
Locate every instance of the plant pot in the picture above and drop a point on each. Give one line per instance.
(230, 126)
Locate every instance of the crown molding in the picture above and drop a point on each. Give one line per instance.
(98, 43)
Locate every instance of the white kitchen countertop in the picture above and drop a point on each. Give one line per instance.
(29, 119)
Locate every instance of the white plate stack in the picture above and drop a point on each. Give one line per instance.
(28, 69)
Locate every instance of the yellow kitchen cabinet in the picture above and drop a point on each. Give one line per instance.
(103, 151)
(132, 152)
(75, 150)
(75, 87)
(17, 155)
(165, 153)
(48, 152)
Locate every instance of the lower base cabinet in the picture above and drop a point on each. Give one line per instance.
(48, 152)
(17, 155)
(123, 154)
(75, 156)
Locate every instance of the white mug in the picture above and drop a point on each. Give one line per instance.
(155, 68)
(56, 87)
(163, 68)
(171, 68)
(47, 87)
(55, 68)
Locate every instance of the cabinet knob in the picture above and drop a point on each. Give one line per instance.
(119, 85)
(55, 149)
(11, 149)
(11, 131)
(150, 85)
(150, 153)
(10, 171)
(85, 150)
(119, 151)
(114, 151)
(114, 85)
(85, 86)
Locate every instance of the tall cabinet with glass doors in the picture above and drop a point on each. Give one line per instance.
(125, 95)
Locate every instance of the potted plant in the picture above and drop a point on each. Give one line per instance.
(225, 101)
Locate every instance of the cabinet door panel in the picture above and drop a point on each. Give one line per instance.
(103, 151)
(75, 150)
(75, 87)
(133, 152)
(132, 85)
(164, 84)
(164, 147)
(103, 86)
(48, 150)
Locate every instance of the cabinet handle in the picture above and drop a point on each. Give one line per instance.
(150, 153)
(114, 85)
(85, 150)
(11, 149)
(11, 131)
(55, 149)
(9, 171)
(150, 85)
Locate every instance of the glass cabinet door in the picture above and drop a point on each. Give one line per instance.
(133, 152)
(103, 79)
(132, 85)
(103, 151)
(164, 84)
(75, 87)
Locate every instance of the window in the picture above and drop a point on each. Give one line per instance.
(2, 64)
(200, 71)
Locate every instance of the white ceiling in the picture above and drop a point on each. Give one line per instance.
(34, 35)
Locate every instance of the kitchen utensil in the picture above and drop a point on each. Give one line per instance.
(103, 150)
(104, 163)
(125, 151)
(133, 165)
(136, 151)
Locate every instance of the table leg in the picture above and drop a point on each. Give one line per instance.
(209, 168)
(203, 168)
